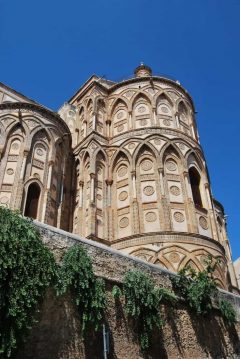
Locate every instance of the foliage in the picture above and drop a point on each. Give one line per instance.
(116, 292)
(143, 303)
(76, 274)
(200, 288)
(27, 268)
(227, 311)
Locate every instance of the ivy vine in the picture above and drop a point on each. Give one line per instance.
(199, 290)
(76, 275)
(27, 268)
(142, 304)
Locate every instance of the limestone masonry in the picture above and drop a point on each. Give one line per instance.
(120, 163)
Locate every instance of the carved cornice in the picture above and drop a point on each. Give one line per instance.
(35, 108)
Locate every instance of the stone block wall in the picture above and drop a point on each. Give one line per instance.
(57, 333)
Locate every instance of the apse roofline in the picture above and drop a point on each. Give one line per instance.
(37, 107)
(17, 93)
(156, 78)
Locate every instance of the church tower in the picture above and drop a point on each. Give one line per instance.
(140, 178)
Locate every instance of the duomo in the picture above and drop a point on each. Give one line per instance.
(120, 163)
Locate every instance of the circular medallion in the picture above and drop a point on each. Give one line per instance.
(141, 109)
(120, 115)
(10, 171)
(120, 128)
(174, 257)
(4, 200)
(146, 165)
(203, 222)
(99, 196)
(122, 171)
(143, 122)
(175, 190)
(164, 109)
(150, 216)
(157, 141)
(179, 217)
(181, 146)
(124, 222)
(131, 145)
(123, 196)
(148, 190)
(39, 151)
(15, 146)
(171, 165)
(166, 122)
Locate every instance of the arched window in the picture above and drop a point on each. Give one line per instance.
(33, 195)
(195, 185)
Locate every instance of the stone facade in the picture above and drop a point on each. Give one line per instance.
(237, 270)
(183, 336)
(122, 165)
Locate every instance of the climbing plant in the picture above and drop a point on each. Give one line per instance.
(199, 290)
(27, 268)
(227, 311)
(76, 275)
(143, 299)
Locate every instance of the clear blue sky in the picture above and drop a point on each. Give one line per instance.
(49, 48)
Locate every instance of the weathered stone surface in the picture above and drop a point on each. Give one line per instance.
(184, 336)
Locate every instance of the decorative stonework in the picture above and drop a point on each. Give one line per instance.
(120, 128)
(174, 257)
(131, 145)
(4, 200)
(122, 171)
(99, 196)
(179, 217)
(171, 165)
(175, 191)
(146, 165)
(39, 151)
(124, 222)
(36, 175)
(203, 222)
(120, 115)
(182, 146)
(10, 171)
(143, 122)
(164, 109)
(123, 196)
(167, 122)
(157, 141)
(150, 216)
(148, 190)
(141, 109)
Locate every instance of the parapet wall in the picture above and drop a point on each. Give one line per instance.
(57, 334)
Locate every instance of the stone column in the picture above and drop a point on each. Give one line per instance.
(135, 208)
(110, 220)
(47, 194)
(94, 121)
(160, 171)
(24, 161)
(108, 124)
(130, 120)
(190, 207)
(154, 116)
(177, 119)
(80, 200)
(211, 210)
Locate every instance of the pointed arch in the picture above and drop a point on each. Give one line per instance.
(164, 105)
(121, 153)
(144, 147)
(32, 200)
